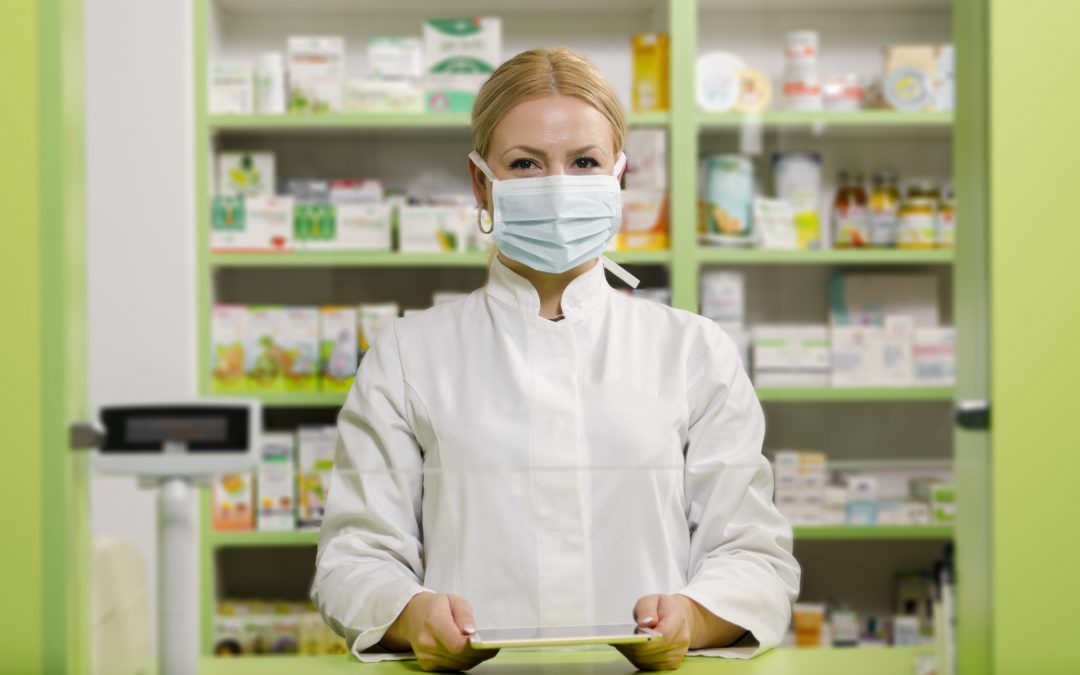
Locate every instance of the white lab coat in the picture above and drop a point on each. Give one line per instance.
(552, 472)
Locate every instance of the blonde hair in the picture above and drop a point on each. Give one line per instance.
(543, 72)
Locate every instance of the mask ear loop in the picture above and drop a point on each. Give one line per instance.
(479, 225)
(479, 162)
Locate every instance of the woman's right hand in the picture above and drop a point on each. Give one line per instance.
(436, 627)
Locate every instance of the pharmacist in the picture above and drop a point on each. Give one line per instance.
(549, 451)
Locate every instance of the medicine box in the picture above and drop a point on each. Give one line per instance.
(791, 356)
(856, 355)
(939, 495)
(270, 83)
(232, 504)
(299, 333)
(723, 298)
(269, 223)
(228, 225)
(314, 227)
(338, 347)
(307, 190)
(228, 329)
(315, 461)
(383, 96)
(316, 73)
(867, 299)
(263, 351)
(935, 357)
(430, 229)
(371, 320)
(651, 59)
(646, 160)
(363, 227)
(394, 58)
(455, 46)
(245, 173)
(359, 191)
(276, 484)
(232, 88)
(897, 358)
(644, 221)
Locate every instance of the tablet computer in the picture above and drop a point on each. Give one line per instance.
(561, 636)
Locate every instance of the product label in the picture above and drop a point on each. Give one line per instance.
(852, 225)
(917, 230)
(884, 223)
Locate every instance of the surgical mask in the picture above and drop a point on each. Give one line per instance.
(555, 223)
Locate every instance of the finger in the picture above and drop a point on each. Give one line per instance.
(646, 611)
(674, 623)
(463, 614)
(446, 633)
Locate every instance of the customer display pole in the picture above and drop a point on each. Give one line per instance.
(178, 578)
(172, 448)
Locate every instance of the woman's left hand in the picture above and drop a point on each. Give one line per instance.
(673, 617)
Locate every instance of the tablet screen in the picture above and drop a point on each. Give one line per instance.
(563, 634)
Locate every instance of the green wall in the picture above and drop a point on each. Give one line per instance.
(21, 357)
(1035, 333)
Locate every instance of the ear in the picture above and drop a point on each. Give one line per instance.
(479, 185)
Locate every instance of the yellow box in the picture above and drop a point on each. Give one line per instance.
(649, 92)
(644, 222)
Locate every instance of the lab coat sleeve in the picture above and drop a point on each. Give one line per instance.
(741, 567)
(370, 557)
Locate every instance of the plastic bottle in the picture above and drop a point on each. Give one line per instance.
(851, 224)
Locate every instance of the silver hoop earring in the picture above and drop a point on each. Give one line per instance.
(479, 225)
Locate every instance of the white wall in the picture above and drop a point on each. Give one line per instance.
(140, 229)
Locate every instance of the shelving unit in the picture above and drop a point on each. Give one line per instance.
(691, 135)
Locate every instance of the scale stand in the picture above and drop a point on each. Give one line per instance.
(177, 578)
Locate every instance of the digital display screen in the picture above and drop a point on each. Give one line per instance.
(200, 428)
(176, 429)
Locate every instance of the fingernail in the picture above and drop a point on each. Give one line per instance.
(646, 619)
(469, 628)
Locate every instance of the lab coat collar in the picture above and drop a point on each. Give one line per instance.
(583, 294)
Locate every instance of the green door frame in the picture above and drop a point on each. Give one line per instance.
(42, 271)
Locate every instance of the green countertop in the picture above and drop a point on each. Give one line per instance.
(857, 661)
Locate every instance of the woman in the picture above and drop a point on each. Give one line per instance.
(548, 451)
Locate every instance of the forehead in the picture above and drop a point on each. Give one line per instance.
(553, 122)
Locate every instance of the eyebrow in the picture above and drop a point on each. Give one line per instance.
(540, 153)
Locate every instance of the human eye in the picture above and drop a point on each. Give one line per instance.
(586, 163)
(522, 164)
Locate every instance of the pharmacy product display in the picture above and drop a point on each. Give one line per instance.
(882, 331)
(651, 70)
(276, 349)
(860, 215)
(438, 71)
(913, 78)
(253, 212)
(808, 493)
(923, 608)
(286, 492)
(258, 627)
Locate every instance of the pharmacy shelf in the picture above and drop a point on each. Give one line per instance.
(874, 533)
(837, 533)
(360, 121)
(825, 119)
(217, 539)
(733, 256)
(290, 399)
(854, 394)
(396, 259)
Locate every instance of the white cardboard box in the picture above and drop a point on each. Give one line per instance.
(251, 174)
(276, 483)
(363, 227)
(723, 298)
(866, 299)
(430, 229)
(791, 356)
(232, 88)
(646, 160)
(269, 222)
(316, 73)
(935, 357)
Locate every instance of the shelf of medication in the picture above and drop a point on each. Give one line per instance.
(256, 538)
(823, 119)
(873, 532)
(868, 256)
(854, 394)
(375, 120)
(397, 259)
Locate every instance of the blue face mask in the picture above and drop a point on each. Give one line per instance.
(555, 223)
